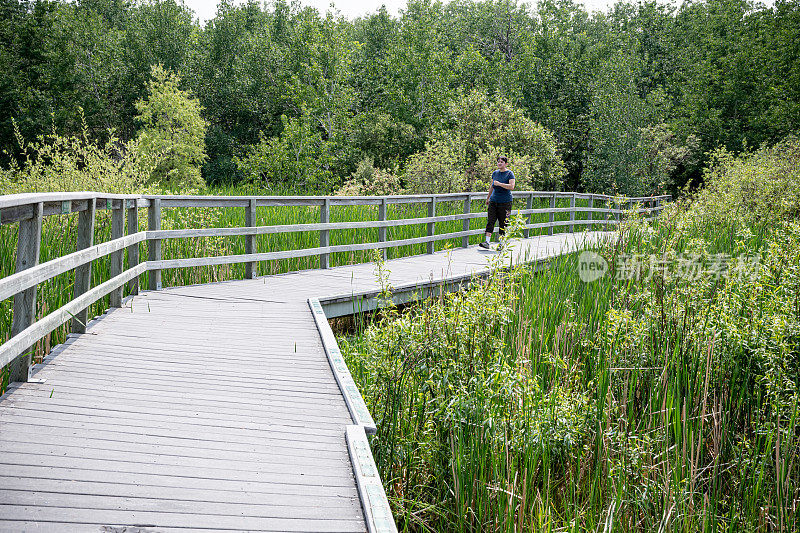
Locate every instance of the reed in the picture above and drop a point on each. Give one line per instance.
(540, 402)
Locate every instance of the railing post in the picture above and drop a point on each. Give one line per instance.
(382, 230)
(552, 214)
(572, 214)
(133, 249)
(590, 218)
(29, 244)
(465, 226)
(529, 205)
(117, 232)
(431, 225)
(618, 204)
(154, 245)
(250, 269)
(83, 273)
(324, 235)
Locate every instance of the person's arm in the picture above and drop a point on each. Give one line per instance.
(509, 185)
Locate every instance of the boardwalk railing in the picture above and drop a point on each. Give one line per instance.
(599, 211)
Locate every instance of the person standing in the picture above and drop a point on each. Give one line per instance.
(498, 201)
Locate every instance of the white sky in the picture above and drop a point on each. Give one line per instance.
(205, 9)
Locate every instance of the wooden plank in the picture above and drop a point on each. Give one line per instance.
(39, 273)
(572, 214)
(27, 337)
(232, 487)
(29, 242)
(324, 235)
(83, 273)
(529, 208)
(154, 245)
(382, 210)
(338, 469)
(355, 403)
(431, 225)
(250, 269)
(133, 249)
(376, 508)
(552, 215)
(266, 473)
(181, 494)
(294, 508)
(156, 520)
(116, 266)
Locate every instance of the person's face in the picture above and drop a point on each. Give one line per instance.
(501, 165)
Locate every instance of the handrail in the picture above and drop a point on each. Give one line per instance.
(30, 209)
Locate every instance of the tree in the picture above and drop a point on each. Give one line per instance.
(172, 133)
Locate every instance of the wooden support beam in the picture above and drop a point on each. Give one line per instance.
(467, 209)
(250, 269)
(431, 225)
(133, 250)
(83, 273)
(552, 214)
(589, 215)
(117, 232)
(382, 208)
(29, 244)
(529, 205)
(325, 235)
(572, 213)
(154, 245)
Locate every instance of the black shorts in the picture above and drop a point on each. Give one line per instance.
(498, 213)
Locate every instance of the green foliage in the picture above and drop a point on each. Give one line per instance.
(75, 163)
(664, 400)
(298, 158)
(477, 129)
(762, 187)
(368, 180)
(172, 132)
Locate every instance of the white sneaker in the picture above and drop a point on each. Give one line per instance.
(484, 244)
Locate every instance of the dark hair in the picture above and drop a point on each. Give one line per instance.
(503, 158)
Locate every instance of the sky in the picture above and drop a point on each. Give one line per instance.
(205, 9)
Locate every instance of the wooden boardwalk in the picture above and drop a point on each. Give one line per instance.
(210, 407)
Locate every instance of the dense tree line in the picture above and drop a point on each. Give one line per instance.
(635, 97)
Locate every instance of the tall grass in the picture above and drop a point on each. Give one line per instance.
(661, 402)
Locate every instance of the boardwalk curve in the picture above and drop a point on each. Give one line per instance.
(217, 407)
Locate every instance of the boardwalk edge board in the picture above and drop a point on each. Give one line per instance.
(377, 512)
(355, 403)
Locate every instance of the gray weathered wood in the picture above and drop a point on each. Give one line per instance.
(83, 273)
(529, 206)
(590, 211)
(572, 213)
(382, 214)
(552, 215)
(133, 249)
(29, 243)
(465, 227)
(324, 235)
(154, 245)
(250, 269)
(431, 225)
(116, 267)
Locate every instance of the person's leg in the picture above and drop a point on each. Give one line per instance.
(503, 210)
(492, 215)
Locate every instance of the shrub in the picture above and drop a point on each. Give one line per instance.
(75, 163)
(368, 180)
